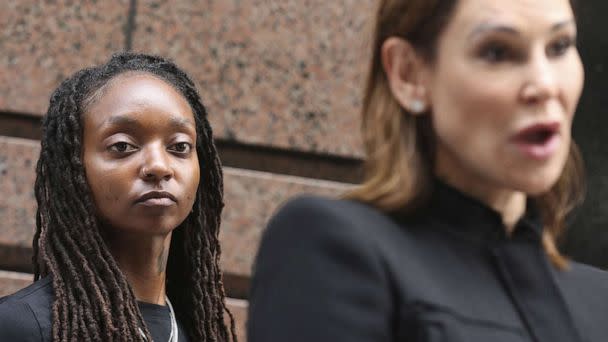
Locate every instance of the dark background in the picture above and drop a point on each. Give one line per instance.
(587, 238)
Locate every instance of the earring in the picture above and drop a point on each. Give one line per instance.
(417, 106)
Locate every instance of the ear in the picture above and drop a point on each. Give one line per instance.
(404, 70)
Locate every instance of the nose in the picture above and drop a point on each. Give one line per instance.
(156, 165)
(541, 80)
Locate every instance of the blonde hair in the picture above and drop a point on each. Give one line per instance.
(399, 146)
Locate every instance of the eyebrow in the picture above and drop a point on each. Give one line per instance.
(488, 27)
(120, 120)
(181, 123)
(124, 120)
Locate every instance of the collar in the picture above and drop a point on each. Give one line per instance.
(464, 215)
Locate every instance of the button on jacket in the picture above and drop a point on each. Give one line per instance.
(336, 270)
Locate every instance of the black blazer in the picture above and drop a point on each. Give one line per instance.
(336, 270)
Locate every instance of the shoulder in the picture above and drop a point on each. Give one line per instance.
(311, 214)
(40, 288)
(581, 275)
(584, 289)
(583, 285)
(39, 293)
(326, 205)
(25, 314)
(316, 219)
(307, 218)
(321, 231)
(315, 250)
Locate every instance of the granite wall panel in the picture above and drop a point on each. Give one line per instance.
(238, 308)
(42, 42)
(283, 73)
(250, 197)
(17, 204)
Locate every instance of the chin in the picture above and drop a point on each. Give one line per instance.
(536, 190)
(156, 226)
(538, 183)
(163, 228)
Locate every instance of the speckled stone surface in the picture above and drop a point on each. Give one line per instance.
(284, 73)
(238, 308)
(250, 197)
(17, 204)
(42, 42)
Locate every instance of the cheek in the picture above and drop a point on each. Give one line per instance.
(469, 111)
(107, 186)
(108, 192)
(572, 81)
(192, 180)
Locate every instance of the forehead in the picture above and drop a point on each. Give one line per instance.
(135, 93)
(524, 14)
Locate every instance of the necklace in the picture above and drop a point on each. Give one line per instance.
(174, 333)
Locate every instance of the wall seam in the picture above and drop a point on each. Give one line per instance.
(130, 25)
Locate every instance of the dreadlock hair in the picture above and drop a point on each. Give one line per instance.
(92, 299)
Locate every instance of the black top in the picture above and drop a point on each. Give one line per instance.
(26, 316)
(336, 270)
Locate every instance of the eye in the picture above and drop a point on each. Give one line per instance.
(495, 52)
(122, 147)
(181, 148)
(560, 46)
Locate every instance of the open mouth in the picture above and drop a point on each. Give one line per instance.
(538, 136)
(538, 141)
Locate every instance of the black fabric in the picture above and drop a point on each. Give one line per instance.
(336, 270)
(158, 321)
(26, 316)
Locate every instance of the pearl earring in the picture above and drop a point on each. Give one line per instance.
(417, 106)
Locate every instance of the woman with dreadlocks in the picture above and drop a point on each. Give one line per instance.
(129, 192)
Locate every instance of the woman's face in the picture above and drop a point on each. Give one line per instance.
(139, 155)
(503, 91)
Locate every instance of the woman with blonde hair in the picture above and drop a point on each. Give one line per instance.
(471, 173)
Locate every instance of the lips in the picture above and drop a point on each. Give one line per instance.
(156, 199)
(539, 141)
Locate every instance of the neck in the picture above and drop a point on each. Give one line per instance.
(510, 204)
(143, 261)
